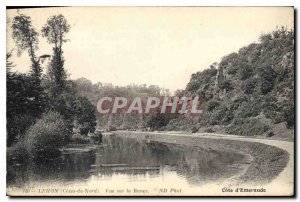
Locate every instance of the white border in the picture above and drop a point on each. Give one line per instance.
(3, 196)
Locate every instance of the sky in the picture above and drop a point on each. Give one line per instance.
(155, 45)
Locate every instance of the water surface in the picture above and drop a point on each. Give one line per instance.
(127, 162)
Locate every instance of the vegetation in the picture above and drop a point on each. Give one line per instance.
(246, 92)
(26, 38)
(84, 115)
(46, 136)
(43, 109)
(257, 80)
(54, 31)
(247, 127)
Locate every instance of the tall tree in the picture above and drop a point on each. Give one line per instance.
(55, 30)
(26, 38)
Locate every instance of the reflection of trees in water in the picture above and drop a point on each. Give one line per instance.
(196, 165)
(16, 176)
(68, 167)
(199, 165)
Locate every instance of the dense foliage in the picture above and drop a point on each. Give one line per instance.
(46, 136)
(43, 109)
(246, 93)
(252, 90)
(254, 86)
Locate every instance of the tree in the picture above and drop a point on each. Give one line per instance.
(225, 84)
(85, 115)
(212, 105)
(289, 114)
(245, 71)
(55, 31)
(267, 79)
(249, 86)
(19, 103)
(26, 38)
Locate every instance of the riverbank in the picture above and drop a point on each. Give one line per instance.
(272, 163)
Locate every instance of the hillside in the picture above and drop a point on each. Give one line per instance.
(250, 92)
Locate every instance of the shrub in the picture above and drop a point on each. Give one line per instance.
(232, 69)
(220, 116)
(46, 136)
(211, 105)
(225, 84)
(247, 127)
(249, 86)
(199, 79)
(267, 79)
(248, 109)
(273, 111)
(85, 115)
(289, 115)
(245, 71)
(180, 124)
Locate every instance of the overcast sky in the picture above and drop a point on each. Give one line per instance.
(155, 45)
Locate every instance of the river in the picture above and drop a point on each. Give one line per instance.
(122, 162)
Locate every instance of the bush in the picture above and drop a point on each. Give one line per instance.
(225, 84)
(46, 136)
(156, 121)
(245, 71)
(249, 86)
(85, 115)
(248, 109)
(267, 79)
(217, 116)
(247, 127)
(180, 124)
(211, 105)
(273, 111)
(232, 69)
(289, 115)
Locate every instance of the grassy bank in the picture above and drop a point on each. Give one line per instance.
(268, 161)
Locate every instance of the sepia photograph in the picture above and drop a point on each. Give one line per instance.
(150, 101)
